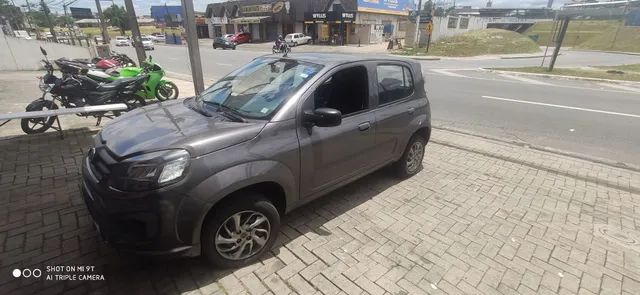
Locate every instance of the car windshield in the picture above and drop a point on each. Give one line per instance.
(256, 90)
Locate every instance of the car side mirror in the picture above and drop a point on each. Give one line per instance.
(44, 52)
(323, 117)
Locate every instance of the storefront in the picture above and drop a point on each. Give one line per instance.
(264, 20)
(330, 27)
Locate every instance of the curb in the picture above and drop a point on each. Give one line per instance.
(525, 57)
(580, 156)
(612, 52)
(550, 76)
(415, 57)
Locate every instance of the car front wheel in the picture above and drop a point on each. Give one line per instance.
(241, 231)
(411, 160)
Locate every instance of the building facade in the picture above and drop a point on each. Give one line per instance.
(342, 22)
(264, 20)
(335, 22)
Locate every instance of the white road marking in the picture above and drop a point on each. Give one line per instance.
(525, 80)
(447, 73)
(562, 106)
(621, 87)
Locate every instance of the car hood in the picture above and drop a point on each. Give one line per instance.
(173, 125)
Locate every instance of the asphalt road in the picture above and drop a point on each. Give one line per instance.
(590, 118)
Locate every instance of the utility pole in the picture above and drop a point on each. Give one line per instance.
(550, 4)
(103, 26)
(189, 22)
(45, 9)
(135, 31)
(66, 16)
(564, 24)
(417, 36)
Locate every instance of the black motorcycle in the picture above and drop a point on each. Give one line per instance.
(74, 91)
(284, 48)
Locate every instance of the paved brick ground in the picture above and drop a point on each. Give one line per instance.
(483, 217)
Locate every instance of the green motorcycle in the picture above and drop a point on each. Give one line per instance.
(154, 87)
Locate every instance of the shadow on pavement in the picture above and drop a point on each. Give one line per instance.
(44, 223)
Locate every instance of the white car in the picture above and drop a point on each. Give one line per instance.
(147, 43)
(160, 39)
(296, 39)
(227, 36)
(122, 41)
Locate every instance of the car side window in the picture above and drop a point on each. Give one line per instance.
(346, 90)
(394, 83)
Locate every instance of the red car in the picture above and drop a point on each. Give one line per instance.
(240, 38)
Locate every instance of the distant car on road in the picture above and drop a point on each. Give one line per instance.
(147, 43)
(220, 42)
(240, 38)
(227, 36)
(122, 41)
(296, 39)
(161, 39)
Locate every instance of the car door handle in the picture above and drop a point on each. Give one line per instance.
(410, 111)
(364, 126)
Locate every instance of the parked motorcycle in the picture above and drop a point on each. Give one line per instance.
(154, 87)
(74, 66)
(77, 91)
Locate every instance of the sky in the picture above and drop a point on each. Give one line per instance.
(143, 6)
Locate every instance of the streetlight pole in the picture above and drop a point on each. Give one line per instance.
(417, 36)
(135, 31)
(189, 22)
(103, 26)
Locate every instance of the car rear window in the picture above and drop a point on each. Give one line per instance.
(394, 83)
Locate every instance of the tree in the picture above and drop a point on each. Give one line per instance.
(13, 14)
(64, 21)
(117, 15)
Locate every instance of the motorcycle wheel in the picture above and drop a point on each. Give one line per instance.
(167, 90)
(38, 125)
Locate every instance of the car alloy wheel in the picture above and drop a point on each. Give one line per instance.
(242, 235)
(414, 158)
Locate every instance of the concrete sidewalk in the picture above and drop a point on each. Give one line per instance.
(483, 216)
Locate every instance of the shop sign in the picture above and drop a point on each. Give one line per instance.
(329, 16)
(397, 7)
(249, 9)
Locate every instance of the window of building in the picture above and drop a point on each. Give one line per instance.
(346, 91)
(453, 23)
(464, 23)
(394, 82)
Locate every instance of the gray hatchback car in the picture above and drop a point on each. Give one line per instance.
(213, 174)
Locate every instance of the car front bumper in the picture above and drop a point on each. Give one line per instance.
(142, 223)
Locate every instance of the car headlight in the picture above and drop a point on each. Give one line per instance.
(150, 170)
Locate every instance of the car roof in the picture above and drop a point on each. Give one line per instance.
(333, 59)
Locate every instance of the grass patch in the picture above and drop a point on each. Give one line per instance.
(479, 42)
(626, 39)
(624, 68)
(591, 34)
(578, 31)
(578, 72)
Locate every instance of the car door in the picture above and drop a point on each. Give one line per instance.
(394, 109)
(331, 156)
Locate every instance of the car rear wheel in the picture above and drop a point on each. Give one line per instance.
(411, 160)
(241, 231)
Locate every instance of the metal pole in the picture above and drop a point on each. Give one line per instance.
(416, 40)
(103, 26)
(45, 9)
(189, 22)
(71, 30)
(135, 31)
(563, 31)
(624, 14)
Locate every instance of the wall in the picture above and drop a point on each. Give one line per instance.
(441, 26)
(21, 54)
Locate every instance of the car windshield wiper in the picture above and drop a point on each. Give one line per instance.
(226, 111)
